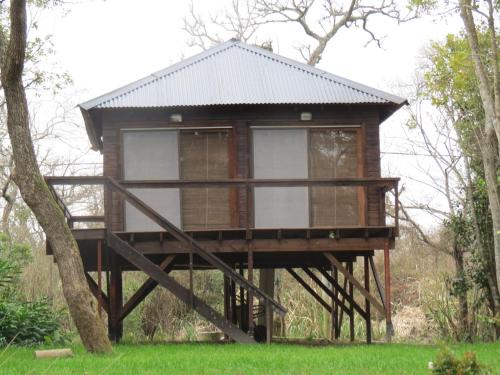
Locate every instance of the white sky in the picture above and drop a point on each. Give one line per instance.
(106, 44)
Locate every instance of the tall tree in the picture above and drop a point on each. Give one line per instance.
(487, 73)
(320, 21)
(33, 188)
(453, 88)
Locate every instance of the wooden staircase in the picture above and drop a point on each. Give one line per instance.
(156, 273)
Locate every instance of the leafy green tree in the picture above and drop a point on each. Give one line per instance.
(452, 86)
(481, 64)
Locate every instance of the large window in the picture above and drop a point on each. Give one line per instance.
(296, 153)
(333, 154)
(204, 156)
(172, 155)
(280, 154)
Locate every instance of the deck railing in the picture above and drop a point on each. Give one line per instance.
(384, 185)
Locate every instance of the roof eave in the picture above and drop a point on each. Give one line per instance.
(91, 127)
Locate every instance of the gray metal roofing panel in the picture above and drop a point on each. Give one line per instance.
(237, 73)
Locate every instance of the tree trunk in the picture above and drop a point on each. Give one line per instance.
(35, 192)
(490, 150)
(490, 163)
(463, 306)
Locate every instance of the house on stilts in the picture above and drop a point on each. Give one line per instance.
(242, 161)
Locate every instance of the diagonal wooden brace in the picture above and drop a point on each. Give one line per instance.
(356, 283)
(145, 289)
(97, 292)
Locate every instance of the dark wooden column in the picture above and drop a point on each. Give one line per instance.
(249, 293)
(242, 310)
(115, 326)
(387, 276)
(335, 306)
(227, 300)
(367, 302)
(351, 307)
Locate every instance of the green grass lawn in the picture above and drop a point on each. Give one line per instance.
(243, 359)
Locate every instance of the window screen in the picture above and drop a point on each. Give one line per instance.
(204, 155)
(151, 155)
(280, 153)
(333, 154)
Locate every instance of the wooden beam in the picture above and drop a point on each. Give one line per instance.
(145, 289)
(387, 183)
(338, 288)
(354, 245)
(311, 291)
(95, 291)
(355, 282)
(378, 284)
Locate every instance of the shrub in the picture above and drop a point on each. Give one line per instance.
(27, 323)
(446, 363)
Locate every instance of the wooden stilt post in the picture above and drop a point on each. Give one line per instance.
(191, 282)
(234, 317)
(351, 307)
(242, 303)
(249, 293)
(269, 323)
(333, 314)
(387, 276)
(99, 276)
(341, 311)
(227, 301)
(367, 302)
(336, 312)
(115, 327)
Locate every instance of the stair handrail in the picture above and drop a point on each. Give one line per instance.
(178, 234)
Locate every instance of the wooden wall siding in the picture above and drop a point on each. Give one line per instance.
(241, 118)
(375, 213)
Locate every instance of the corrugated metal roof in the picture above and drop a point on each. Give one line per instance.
(237, 73)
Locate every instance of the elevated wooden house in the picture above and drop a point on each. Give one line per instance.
(240, 159)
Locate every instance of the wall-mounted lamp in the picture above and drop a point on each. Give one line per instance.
(306, 116)
(175, 117)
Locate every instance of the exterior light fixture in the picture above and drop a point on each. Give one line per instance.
(306, 116)
(175, 117)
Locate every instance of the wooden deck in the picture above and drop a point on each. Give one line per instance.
(329, 251)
